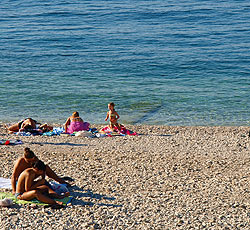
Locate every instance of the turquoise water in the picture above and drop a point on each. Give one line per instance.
(161, 62)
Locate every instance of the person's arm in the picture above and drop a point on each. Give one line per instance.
(51, 174)
(37, 184)
(43, 176)
(117, 116)
(22, 126)
(15, 175)
(107, 117)
(66, 124)
(30, 184)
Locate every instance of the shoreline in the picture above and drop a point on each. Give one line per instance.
(61, 122)
(168, 177)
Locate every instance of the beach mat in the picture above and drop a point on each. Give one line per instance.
(8, 195)
(10, 142)
(5, 183)
(124, 131)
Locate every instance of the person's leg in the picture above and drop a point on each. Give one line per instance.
(43, 188)
(51, 193)
(14, 128)
(46, 128)
(111, 126)
(118, 127)
(38, 195)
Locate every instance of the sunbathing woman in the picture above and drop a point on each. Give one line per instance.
(75, 123)
(29, 124)
(28, 188)
(21, 124)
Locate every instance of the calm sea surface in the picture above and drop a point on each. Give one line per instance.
(184, 62)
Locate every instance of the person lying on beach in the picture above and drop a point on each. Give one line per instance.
(113, 116)
(74, 124)
(28, 188)
(26, 161)
(29, 124)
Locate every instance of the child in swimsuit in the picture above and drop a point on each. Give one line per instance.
(113, 116)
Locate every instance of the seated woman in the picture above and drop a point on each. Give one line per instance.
(75, 123)
(28, 188)
(27, 125)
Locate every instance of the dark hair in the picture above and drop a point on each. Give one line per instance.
(112, 104)
(39, 165)
(28, 128)
(28, 153)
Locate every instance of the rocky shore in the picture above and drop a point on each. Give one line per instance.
(165, 178)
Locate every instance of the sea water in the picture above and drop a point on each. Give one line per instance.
(182, 62)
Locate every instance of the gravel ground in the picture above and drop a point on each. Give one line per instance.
(166, 178)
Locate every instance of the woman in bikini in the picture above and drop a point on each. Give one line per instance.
(30, 124)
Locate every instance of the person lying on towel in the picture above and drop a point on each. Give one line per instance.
(29, 125)
(28, 188)
(26, 161)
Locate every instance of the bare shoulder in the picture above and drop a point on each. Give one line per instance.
(28, 171)
(68, 119)
(19, 161)
(20, 165)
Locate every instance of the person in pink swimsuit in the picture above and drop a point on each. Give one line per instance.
(75, 123)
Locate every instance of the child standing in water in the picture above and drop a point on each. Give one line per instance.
(113, 116)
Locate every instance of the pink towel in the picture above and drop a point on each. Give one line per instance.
(123, 131)
(76, 126)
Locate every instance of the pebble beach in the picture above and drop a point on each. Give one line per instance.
(167, 177)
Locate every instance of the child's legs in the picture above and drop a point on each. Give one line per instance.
(27, 195)
(111, 125)
(118, 126)
(38, 195)
(49, 191)
(43, 188)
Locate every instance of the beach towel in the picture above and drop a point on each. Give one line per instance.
(8, 195)
(10, 142)
(5, 183)
(55, 131)
(83, 133)
(33, 132)
(123, 131)
(76, 126)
